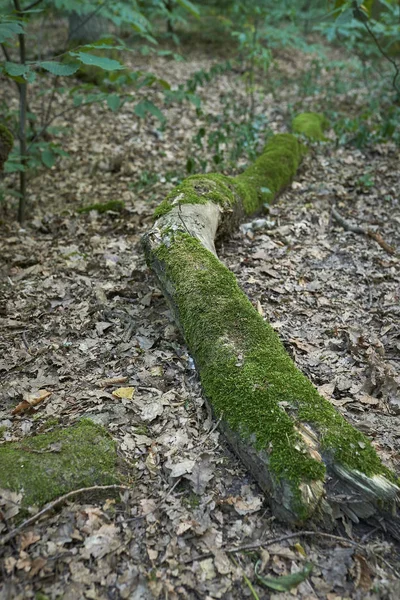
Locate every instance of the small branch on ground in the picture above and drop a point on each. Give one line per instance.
(51, 505)
(272, 541)
(357, 229)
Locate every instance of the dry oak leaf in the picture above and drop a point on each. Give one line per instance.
(29, 538)
(31, 401)
(124, 392)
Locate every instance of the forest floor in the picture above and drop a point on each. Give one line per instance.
(79, 305)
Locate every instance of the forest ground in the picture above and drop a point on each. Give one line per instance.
(79, 305)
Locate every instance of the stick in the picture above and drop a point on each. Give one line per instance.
(330, 536)
(14, 532)
(357, 229)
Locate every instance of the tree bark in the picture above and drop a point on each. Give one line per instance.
(308, 460)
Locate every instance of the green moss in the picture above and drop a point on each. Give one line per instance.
(51, 464)
(311, 125)
(271, 172)
(200, 189)
(6, 144)
(115, 205)
(247, 374)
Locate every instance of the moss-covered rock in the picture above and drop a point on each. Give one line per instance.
(311, 125)
(6, 144)
(48, 465)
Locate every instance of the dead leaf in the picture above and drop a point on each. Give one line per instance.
(201, 474)
(29, 538)
(103, 542)
(180, 468)
(363, 573)
(31, 401)
(124, 392)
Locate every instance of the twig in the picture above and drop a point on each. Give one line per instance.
(385, 55)
(367, 232)
(84, 21)
(51, 505)
(345, 224)
(31, 6)
(234, 550)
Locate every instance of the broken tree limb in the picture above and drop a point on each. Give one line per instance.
(304, 455)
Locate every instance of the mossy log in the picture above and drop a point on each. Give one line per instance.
(50, 464)
(306, 457)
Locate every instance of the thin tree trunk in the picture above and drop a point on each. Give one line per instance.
(22, 123)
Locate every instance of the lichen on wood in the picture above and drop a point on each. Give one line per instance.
(291, 438)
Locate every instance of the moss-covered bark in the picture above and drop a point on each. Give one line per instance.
(48, 465)
(286, 433)
(311, 125)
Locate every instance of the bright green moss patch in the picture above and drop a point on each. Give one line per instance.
(311, 125)
(51, 464)
(271, 172)
(114, 205)
(248, 376)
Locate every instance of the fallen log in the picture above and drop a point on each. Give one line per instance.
(308, 460)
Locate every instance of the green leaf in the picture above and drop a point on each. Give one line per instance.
(16, 69)
(345, 17)
(108, 64)
(145, 106)
(190, 164)
(286, 582)
(113, 102)
(194, 99)
(192, 8)
(57, 68)
(48, 158)
(10, 28)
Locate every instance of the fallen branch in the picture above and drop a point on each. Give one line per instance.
(360, 230)
(51, 505)
(305, 456)
(278, 540)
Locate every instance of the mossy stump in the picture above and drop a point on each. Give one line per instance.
(298, 447)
